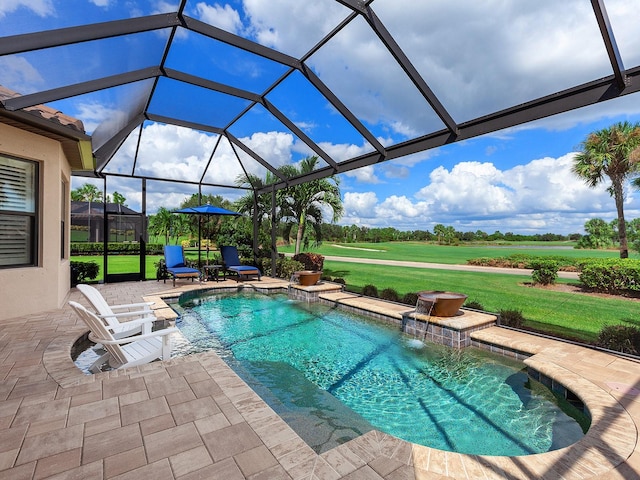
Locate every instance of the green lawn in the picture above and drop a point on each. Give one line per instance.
(458, 255)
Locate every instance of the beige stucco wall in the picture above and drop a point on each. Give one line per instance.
(31, 290)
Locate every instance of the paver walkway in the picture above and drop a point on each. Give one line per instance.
(192, 417)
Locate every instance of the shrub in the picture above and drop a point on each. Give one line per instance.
(161, 270)
(524, 260)
(611, 275)
(545, 271)
(474, 305)
(390, 294)
(284, 267)
(511, 318)
(185, 243)
(410, 298)
(621, 338)
(311, 261)
(370, 291)
(81, 271)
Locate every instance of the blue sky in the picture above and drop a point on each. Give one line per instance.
(517, 180)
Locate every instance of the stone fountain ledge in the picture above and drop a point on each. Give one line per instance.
(451, 331)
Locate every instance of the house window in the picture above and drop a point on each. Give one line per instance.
(18, 212)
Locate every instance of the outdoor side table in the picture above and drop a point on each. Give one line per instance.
(212, 272)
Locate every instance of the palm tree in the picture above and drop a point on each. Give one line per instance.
(439, 230)
(607, 153)
(161, 223)
(303, 203)
(119, 199)
(87, 193)
(245, 204)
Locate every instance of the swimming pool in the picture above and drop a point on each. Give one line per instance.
(333, 376)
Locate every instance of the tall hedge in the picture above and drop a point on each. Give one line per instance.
(121, 248)
(611, 275)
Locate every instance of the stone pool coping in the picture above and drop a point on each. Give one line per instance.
(605, 383)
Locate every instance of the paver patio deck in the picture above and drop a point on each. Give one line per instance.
(193, 417)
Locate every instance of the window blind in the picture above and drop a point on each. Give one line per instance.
(18, 180)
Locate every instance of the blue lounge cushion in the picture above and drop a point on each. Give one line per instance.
(244, 268)
(183, 270)
(232, 262)
(175, 263)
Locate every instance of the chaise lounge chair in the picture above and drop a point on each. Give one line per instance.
(140, 314)
(128, 351)
(176, 265)
(232, 264)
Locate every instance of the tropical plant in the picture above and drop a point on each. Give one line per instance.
(439, 231)
(83, 271)
(511, 318)
(87, 193)
(390, 294)
(182, 225)
(161, 223)
(209, 225)
(302, 204)
(250, 202)
(621, 338)
(599, 234)
(608, 153)
(119, 199)
(240, 234)
(633, 232)
(370, 290)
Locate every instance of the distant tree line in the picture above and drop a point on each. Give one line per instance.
(442, 234)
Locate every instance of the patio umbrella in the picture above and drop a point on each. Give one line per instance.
(205, 210)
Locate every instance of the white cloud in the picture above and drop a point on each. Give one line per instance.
(541, 196)
(163, 6)
(488, 68)
(470, 187)
(359, 204)
(364, 175)
(396, 171)
(274, 147)
(225, 17)
(42, 8)
(292, 26)
(344, 151)
(94, 114)
(16, 70)
(399, 208)
(102, 3)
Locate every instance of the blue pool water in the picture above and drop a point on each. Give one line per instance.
(333, 376)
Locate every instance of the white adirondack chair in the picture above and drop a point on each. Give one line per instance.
(129, 351)
(141, 314)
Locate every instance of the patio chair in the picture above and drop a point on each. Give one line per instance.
(128, 351)
(176, 265)
(232, 263)
(140, 313)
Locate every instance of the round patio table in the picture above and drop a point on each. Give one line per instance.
(212, 272)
